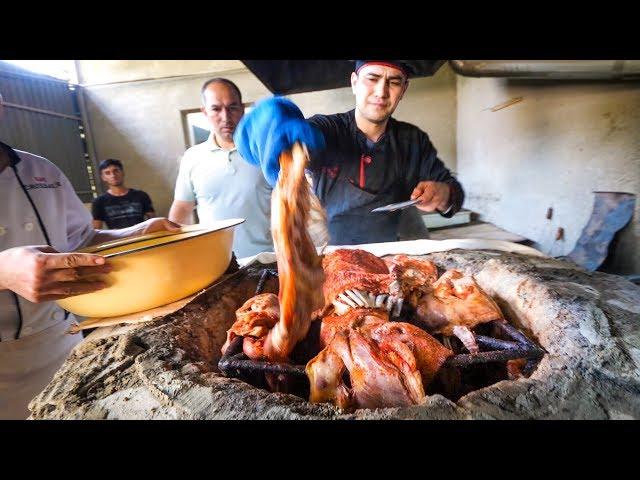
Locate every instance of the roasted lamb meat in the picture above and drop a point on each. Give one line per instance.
(455, 306)
(299, 266)
(411, 279)
(360, 318)
(272, 333)
(356, 279)
(254, 320)
(369, 362)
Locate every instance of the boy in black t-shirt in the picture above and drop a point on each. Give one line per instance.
(119, 206)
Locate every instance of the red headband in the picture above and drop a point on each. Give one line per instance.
(385, 64)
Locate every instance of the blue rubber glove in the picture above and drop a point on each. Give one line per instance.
(273, 126)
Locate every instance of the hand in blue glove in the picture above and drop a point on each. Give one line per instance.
(272, 127)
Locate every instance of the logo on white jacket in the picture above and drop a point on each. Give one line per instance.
(42, 183)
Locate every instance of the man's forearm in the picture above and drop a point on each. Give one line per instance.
(181, 213)
(148, 226)
(102, 236)
(183, 218)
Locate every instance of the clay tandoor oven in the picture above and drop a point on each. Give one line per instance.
(570, 349)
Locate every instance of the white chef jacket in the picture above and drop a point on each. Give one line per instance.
(28, 363)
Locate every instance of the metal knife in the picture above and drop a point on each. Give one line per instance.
(392, 207)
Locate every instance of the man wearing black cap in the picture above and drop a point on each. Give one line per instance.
(361, 159)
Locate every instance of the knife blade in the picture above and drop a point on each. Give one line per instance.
(392, 207)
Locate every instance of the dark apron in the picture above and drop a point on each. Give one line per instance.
(350, 219)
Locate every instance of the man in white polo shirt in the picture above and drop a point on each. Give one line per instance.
(214, 176)
(40, 216)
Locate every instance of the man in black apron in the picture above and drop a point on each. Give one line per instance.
(369, 159)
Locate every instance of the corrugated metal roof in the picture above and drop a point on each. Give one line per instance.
(46, 134)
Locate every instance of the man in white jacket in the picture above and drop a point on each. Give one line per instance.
(41, 218)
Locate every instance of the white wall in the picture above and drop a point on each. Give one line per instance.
(560, 143)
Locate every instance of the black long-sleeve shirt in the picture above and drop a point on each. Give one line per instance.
(398, 161)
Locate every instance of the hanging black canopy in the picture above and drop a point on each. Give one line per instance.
(284, 77)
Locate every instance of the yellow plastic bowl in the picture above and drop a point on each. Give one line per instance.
(156, 269)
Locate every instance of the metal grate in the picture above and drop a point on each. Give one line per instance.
(234, 363)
